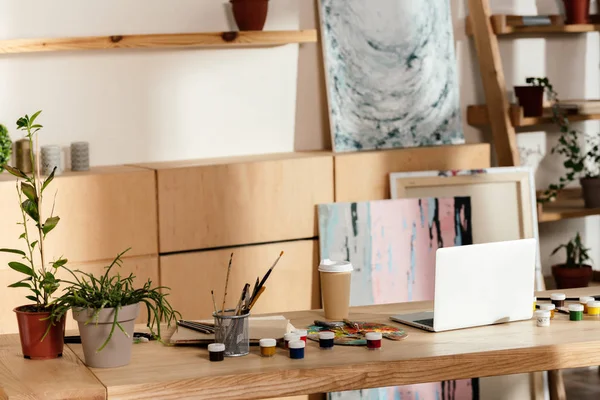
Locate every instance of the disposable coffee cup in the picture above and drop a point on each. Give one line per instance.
(335, 288)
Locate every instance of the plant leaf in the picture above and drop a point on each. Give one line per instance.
(33, 245)
(48, 180)
(16, 172)
(22, 268)
(14, 251)
(28, 191)
(59, 263)
(20, 284)
(50, 224)
(31, 209)
(32, 298)
(33, 117)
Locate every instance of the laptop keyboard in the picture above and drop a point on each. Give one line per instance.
(426, 322)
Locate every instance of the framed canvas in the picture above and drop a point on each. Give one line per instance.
(392, 245)
(503, 200)
(391, 73)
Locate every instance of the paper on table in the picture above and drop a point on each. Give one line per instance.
(260, 327)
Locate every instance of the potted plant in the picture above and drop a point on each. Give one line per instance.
(531, 97)
(105, 309)
(574, 272)
(41, 331)
(5, 147)
(250, 15)
(579, 163)
(577, 11)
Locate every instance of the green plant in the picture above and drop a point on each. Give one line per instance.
(5, 147)
(90, 292)
(577, 254)
(577, 161)
(30, 188)
(542, 82)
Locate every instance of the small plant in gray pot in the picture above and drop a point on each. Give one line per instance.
(105, 309)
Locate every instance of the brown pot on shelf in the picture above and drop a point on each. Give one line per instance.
(577, 11)
(531, 98)
(590, 188)
(250, 15)
(32, 327)
(569, 278)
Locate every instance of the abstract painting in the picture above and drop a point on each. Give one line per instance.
(392, 244)
(391, 73)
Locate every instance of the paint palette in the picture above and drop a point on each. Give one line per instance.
(353, 333)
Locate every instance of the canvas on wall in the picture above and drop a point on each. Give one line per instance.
(392, 244)
(391, 73)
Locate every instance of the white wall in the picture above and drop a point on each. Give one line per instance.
(150, 105)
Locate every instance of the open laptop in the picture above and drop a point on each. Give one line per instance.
(480, 284)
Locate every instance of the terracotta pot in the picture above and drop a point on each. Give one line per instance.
(577, 11)
(250, 15)
(531, 98)
(568, 278)
(93, 335)
(591, 192)
(32, 327)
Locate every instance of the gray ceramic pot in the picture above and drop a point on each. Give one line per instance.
(93, 334)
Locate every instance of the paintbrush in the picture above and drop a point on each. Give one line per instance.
(226, 284)
(212, 293)
(264, 279)
(241, 303)
(255, 298)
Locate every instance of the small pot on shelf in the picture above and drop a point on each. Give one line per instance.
(569, 278)
(590, 188)
(94, 331)
(577, 11)
(250, 15)
(531, 98)
(35, 343)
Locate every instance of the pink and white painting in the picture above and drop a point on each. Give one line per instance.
(392, 244)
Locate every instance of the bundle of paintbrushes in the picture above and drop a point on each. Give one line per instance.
(248, 297)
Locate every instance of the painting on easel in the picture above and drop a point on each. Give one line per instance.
(392, 244)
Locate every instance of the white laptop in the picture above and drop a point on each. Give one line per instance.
(480, 284)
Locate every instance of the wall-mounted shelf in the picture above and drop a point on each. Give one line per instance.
(209, 40)
(478, 116)
(514, 25)
(568, 204)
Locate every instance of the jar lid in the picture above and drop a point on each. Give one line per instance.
(297, 344)
(558, 296)
(547, 307)
(267, 342)
(301, 332)
(586, 299)
(593, 304)
(373, 335)
(575, 307)
(291, 336)
(335, 266)
(326, 335)
(542, 313)
(216, 347)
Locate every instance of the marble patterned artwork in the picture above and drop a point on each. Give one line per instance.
(392, 244)
(391, 73)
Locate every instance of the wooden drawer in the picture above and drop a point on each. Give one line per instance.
(364, 176)
(103, 212)
(245, 200)
(293, 285)
(143, 268)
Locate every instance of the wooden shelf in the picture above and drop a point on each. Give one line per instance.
(478, 116)
(210, 40)
(513, 25)
(569, 204)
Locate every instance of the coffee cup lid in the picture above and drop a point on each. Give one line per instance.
(328, 265)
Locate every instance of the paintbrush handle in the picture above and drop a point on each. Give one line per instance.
(262, 289)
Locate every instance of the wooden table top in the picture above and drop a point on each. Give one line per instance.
(158, 371)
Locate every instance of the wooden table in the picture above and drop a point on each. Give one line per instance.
(158, 371)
